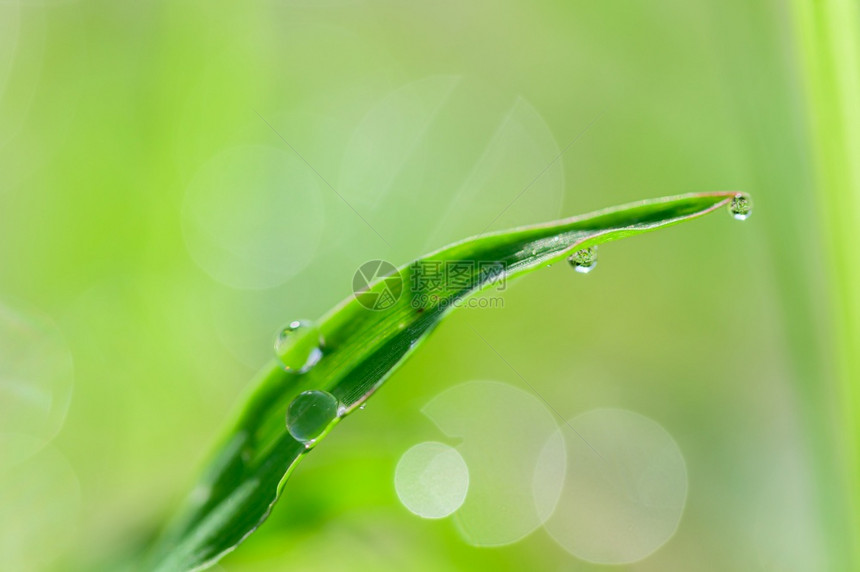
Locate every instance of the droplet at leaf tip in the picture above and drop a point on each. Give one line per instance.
(741, 206)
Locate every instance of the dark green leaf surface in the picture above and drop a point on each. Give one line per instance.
(362, 347)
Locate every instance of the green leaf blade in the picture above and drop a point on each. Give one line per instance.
(362, 347)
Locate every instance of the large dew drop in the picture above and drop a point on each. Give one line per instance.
(584, 260)
(309, 414)
(299, 346)
(741, 206)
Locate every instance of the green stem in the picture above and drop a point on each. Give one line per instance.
(830, 53)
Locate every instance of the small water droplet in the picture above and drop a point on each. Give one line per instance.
(362, 406)
(741, 206)
(299, 346)
(584, 260)
(309, 414)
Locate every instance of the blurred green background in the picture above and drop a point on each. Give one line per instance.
(174, 180)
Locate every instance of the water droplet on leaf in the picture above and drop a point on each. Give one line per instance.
(584, 260)
(299, 346)
(741, 206)
(309, 414)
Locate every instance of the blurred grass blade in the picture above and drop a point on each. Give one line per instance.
(360, 349)
(829, 42)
